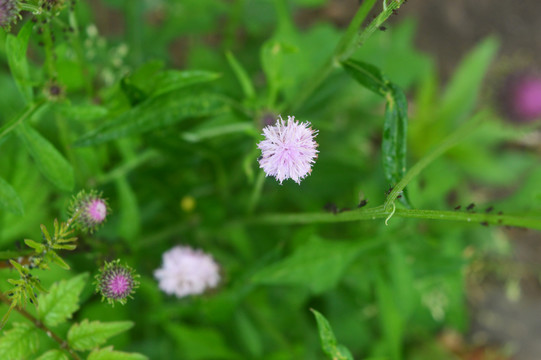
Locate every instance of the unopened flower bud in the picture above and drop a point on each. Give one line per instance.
(116, 282)
(88, 210)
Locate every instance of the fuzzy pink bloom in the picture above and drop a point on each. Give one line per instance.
(289, 150)
(186, 271)
(97, 210)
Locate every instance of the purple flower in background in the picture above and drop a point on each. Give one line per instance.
(88, 210)
(186, 271)
(116, 282)
(521, 97)
(288, 150)
(9, 13)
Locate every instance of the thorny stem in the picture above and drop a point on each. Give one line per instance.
(379, 212)
(40, 325)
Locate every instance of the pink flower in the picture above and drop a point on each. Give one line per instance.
(88, 210)
(521, 97)
(116, 282)
(186, 271)
(288, 150)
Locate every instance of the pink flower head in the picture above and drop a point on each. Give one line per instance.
(88, 210)
(521, 97)
(186, 271)
(288, 150)
(116, 282)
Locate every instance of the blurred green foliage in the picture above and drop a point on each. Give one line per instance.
(168, 111)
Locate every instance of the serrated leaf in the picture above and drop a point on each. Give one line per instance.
(19, 342)
(109, 354)
(367, 75)
(461, 93)
(318, 265)
(9, 200)
(395, 135)
(53, 355)
(155, 113)
(16, 47)
(89, 335)
(329, 344)
(48, 159)
(61, 301)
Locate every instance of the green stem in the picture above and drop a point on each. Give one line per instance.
(533, 222)
(453, 139)
(256, 193)
(28, 113)
(350, 41)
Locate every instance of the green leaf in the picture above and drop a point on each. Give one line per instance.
(171, 80)
(53, 355)
(89, 335)
(198, 343)
(61, 301)
(34, 245)
(461, 93)
(242, 76)
(318, 265)
(84, 112)
(109, 354)
(328, 340)
(390, 319)
(130, 219)
(49, 161)
(9, 200)
(368, 76)
(19, 342)
(16, 53)
(394, 142)
(155, 113)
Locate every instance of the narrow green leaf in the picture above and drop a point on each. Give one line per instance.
(463, 89)
(53, 355)
(58, 260)
(318, 265)
(130, 219)
(328, 340)
(109, 354)
(155, 113)
(84, 112)
(34, 245)
(16, 47)
(9, 200)
(394, 140)
(89, 335)
(171, 80)
(368, 76)
(48, 159)
(61, 301)
(242, 75)
(19, 342)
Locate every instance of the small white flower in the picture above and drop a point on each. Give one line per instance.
(289, 150)
(186, 271)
